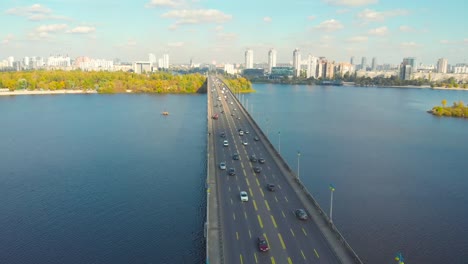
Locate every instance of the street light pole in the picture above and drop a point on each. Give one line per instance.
(279, 142)
(332, 190)
(298, 156)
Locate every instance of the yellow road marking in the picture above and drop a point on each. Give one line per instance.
(289, 260)
(316, 254)
(237, 235)
(241, 259)
(258, 183)
(247, 180)
(250, 191)
(303, 254)
(255, 256)
(255, 205)
(273, 260)
(250, 234)
(292, 232)
(281, 240)
(283, 214)
(303, 230)
(286, 198)
(260, 221)
(276, 199)
(267, 206)
(234, 216)
(261, 191)
(273, 220)
(245, 215)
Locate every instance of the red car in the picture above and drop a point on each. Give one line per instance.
(262, 244)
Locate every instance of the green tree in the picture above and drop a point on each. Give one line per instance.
(444, 102)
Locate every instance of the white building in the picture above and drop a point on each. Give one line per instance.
(312, 67)
(142, 67)
(460, 69)
(249, 59)
(297, 62)
(442, 65)
(58, 61)
(229, 68)
(152, 59)
(165, 61)
(96, 65)
(10, 61)
(271, 59)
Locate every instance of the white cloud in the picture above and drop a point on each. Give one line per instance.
(357, 39)
(368, 15)
(267, 19)
(53, 28)
(342, 11)
(466, 41)
(219, 28)
(411, 44)
(188, 16)
(311, 18)
(406, 28)
(82, 30)
(350, 2)
(380, 31)
(444, 41)
(35, 12)
(129, 44)
(329, 25)
(227, 36)
(8, 38)
(165, 3)
(175, 44)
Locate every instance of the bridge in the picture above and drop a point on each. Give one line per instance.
(233, 226)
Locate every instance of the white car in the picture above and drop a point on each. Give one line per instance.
(247, 132)
(225, 143)
(241, 133)
(244, 197)
(245, 143)
(222, 165)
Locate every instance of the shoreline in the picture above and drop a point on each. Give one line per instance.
(411, 87)
(37, 92)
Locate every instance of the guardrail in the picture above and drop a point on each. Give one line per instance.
(326, 218)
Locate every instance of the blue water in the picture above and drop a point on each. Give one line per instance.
(400, 174)
(102, 179)
(107, 179)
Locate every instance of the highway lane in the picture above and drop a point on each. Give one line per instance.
(267, 214)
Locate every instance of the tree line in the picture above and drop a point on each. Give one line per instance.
(102, 82)
(458, 109)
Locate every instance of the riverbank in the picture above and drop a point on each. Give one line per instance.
(39, 92)
(407, 87)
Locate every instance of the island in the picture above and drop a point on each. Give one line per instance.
(458, 109)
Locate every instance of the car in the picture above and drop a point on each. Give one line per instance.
(245, 143)
(301, 214)
(257, 169)
(222, 165)
(247, 132)
(232, 114)
(223, 134)
(241, 133)
(235, 156)
(232, 103)
(261, 160)
(253, 158)
(232, 171)
(256, 138)
(225, 143)
(238, 118)
(271, 187)
(262, 244)
(235, 109)
(244, 197)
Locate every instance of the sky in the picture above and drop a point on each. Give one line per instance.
(219, 31)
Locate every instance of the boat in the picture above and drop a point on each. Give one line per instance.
(165, 113)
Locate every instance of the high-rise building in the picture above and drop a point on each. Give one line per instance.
(364, 64)
(249, 59)
(271, 59)
(442, 65)
(152, 59)
(374, 64)
(165, 61)
(312, 67)
(297, 62)
(58, 61)
(351, 60)
(406, 68)
(10, 61)
(410, 61)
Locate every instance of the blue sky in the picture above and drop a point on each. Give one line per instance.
(220, 30)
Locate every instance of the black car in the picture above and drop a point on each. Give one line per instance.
(235, 156)
(256, 138)
(261, 160)
(257, 169)
(271, 187)
(239, 130)
(232, 171)
(223, 135)
(253, 158)
(301, 214)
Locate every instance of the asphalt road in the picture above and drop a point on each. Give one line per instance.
(268, 214)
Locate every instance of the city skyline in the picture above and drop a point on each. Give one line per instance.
(209, 32)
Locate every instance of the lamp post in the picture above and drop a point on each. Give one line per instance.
(332, 190)
(279, 142)
(298, 156)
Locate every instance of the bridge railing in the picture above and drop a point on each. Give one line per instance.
(326, 218)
